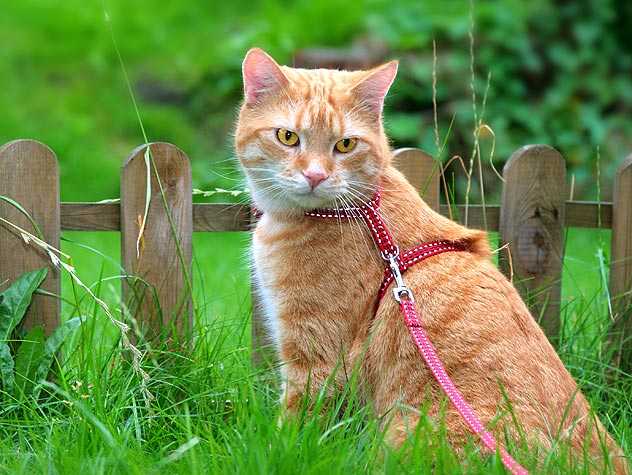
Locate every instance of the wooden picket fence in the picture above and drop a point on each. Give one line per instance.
(531, 219)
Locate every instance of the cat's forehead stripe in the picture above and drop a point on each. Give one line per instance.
(323, 114)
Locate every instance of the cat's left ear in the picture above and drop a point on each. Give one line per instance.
(373, 87)
(261, 74)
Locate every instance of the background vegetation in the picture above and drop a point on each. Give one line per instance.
(561, 73)
(552, 71)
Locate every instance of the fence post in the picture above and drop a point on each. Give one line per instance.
(621, 265)
(30, 176)
(158, 287)
(532, 223)
(422, 171)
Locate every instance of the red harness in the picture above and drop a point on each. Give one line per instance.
(397, 263)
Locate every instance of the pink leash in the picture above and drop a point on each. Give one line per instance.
(397, 264)
(431, 358)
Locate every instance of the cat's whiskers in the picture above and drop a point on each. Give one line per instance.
(259, 169)
(342, 235)
(347, 209)
(363, 202)
(357, 220)
(265, 181)
(273, 192)
(356, 225)
(358, 195)
(370, 186)
(272, 186)
(281, 193)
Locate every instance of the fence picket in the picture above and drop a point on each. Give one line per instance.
(422, 171)
(30, 176)
(162, 299)
(532, 223)
(621, 264)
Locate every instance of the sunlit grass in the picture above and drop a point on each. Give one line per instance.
(214, 412)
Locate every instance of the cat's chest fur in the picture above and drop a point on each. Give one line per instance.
(316, 281)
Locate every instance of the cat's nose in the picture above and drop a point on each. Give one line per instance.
(315, 175)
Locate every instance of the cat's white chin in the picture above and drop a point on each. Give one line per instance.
(292, 203)
(311, 199)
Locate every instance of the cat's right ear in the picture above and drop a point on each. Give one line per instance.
(262, 75)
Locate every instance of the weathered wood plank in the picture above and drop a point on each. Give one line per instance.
(475, 215)
(221, 217)
(211, 217)
(422, 171)
(621, 265)
(579, 214)
(161, 302)
(90, 217)
(532, 223)
(207, 217)
(30, 176)
(588, 214)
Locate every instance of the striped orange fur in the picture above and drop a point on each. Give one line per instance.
(319, 279)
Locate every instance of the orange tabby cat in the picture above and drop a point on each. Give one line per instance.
(314, 138)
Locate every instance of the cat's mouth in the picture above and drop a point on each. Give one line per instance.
(310, 199)
(335, 196)
(293, 195)
(311, 194)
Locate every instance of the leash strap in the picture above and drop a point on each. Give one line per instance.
(429, 354)
(398, 263)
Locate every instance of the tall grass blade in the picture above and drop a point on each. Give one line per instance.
(21, 209)
(30, 352)
(53, 344)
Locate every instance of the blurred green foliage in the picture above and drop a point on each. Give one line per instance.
(561, 73)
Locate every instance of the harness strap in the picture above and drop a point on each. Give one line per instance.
(411, 257)
(398, 263)
(369, 212)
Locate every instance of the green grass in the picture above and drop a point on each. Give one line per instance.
(214, 412)
(220, 274)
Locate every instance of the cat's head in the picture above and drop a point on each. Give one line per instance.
(311, 138)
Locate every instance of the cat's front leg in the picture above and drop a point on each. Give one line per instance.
(292, 391)
(400, 426)
(301, 385)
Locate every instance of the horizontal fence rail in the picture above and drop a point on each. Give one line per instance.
(213, 217)
(157, 288)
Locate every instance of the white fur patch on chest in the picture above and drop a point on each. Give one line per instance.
(263, 264)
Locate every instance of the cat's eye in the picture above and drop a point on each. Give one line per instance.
(346, 145)
(287, 137)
